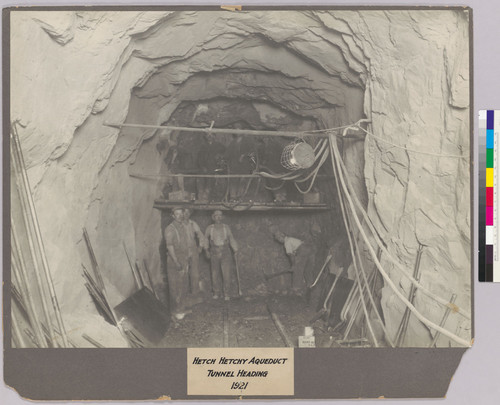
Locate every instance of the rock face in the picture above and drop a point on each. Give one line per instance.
(406, 71)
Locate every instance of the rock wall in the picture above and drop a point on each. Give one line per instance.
(405, 70)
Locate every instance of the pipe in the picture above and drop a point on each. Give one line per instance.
(229, 131)
(93, 260)
(19, 340)
(20, 270)
(92, 341)
(370, 295)
(136, 278)
(149, 277)
(401, 333)
(443, 321)
(355, 313)
(384, 250)
(390, 283)
(337, 174)
(41, 290)
(36, 225)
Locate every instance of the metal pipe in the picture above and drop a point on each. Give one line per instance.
(139, 275)
(386, 277)
(443, 321)
(19, 296)
(338, 176)
(228, 131)
(20, 342)
(41, 289)
(403, 326)
(36, 226)
(149, 277)
(370, 296)
(211, 176)
(92, 341)
(136, 278)
(95, 266)
(19, 268)
(355, 201)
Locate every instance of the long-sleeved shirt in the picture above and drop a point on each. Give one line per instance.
(220, 235)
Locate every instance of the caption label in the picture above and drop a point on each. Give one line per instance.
(240, 371)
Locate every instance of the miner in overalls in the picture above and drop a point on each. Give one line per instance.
(301, 256)
(221, 241)
(176, 238)
(196, 243)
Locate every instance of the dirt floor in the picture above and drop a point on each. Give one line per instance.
(245, 322)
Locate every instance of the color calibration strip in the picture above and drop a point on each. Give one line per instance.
(489, 127)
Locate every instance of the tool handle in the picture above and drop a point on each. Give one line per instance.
(237, 273)
(328, 258)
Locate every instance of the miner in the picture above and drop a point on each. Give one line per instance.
(301, 256)
(177, 241)
(196, 243)
(220, 241)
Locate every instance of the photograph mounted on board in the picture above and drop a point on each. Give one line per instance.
(261, 178)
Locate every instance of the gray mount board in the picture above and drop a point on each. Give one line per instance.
(145, 374)
(124, 374)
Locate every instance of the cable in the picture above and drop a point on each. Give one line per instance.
(390, 283)
(408, 149)
(346, 224)
(384, 249)
(314, 174)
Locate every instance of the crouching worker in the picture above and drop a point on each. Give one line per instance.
(176, 238)
(220, 241)
(301, 256)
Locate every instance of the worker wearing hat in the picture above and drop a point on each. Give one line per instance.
(177, 241)
(220, 240)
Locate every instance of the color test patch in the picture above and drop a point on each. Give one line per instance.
(489, 128)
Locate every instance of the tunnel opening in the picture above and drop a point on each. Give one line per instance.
(251, 99)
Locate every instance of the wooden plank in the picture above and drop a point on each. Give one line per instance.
(281, 329)
(244, 206)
